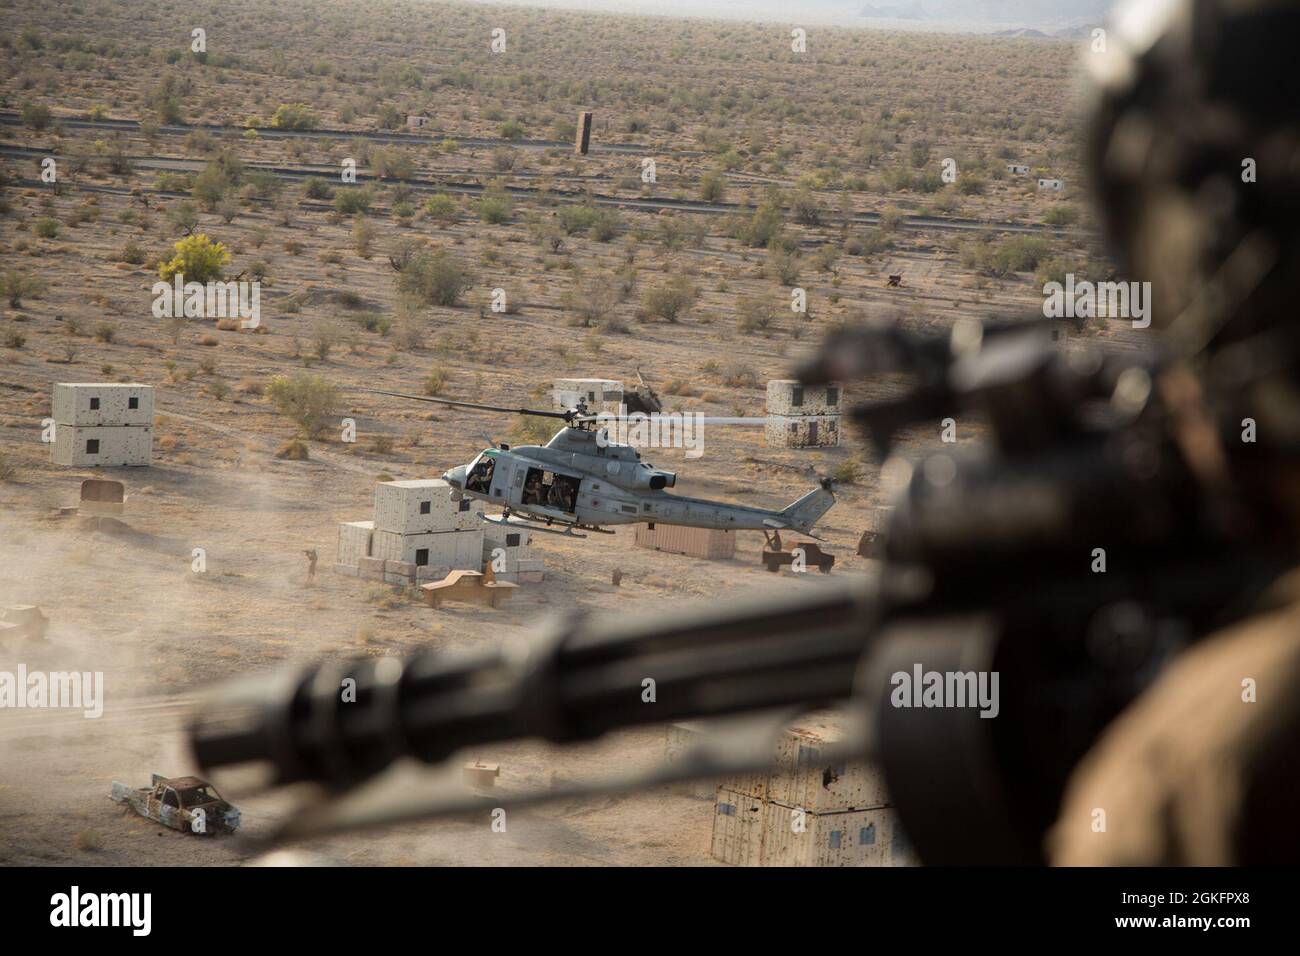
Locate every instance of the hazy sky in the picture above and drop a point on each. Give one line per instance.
(983, 15)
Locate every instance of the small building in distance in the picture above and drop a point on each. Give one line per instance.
(1017, 169)
(416, 122)
(802, 416)
(102, 424)
(598, 394)
(1051, 184)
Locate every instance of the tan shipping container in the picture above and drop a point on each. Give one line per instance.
(710, 543)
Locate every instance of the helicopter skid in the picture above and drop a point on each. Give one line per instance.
(568, 532)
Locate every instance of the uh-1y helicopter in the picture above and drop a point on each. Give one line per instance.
(580, 480)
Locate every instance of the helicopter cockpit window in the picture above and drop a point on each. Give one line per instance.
(480, 475)
(546, 489)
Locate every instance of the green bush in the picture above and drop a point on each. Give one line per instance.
(763, 227)
(1062, 215)
(197, 258)
(494, 206)
(442, 206)
(671, 300)
(433, 277)
(307, 400)
(713, 187)
(316, 188)
(293, 116)
(352, 201)
(436, 382)
(36, 115)
(575, 219)
(14, 285)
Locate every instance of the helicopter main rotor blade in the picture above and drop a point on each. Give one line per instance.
(486, 408)
(687, 416)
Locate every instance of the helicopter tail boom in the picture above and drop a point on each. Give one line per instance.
(804, 513)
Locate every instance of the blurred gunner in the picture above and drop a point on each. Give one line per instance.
(1196, 154)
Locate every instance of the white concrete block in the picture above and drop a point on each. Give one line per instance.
(458, 550)
(106, 447)
(789, 397)
(354, 541)
(802, 431)
(102, 404)
(423, 506)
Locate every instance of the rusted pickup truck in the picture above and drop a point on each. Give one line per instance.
(182, 803)
(812, 557)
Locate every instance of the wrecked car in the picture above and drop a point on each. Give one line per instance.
(182, 803)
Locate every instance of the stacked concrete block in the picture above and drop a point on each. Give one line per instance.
(460, 550)
(844, 838)
(401, 573)
(355, 538)
(737, 828)
(417, 523)
(508, 549)
(102, 424)
(371, 569)
(418, 535)
(423, 506)
(802, 416)
(598, 394)
(808, 432)
(810, 810)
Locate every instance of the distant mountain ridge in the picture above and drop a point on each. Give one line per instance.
(1032, 17)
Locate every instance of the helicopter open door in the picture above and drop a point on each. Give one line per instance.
(549, 490)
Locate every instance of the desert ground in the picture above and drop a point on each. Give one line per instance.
(774, 171)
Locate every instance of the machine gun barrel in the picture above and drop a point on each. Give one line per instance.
(339, 724)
